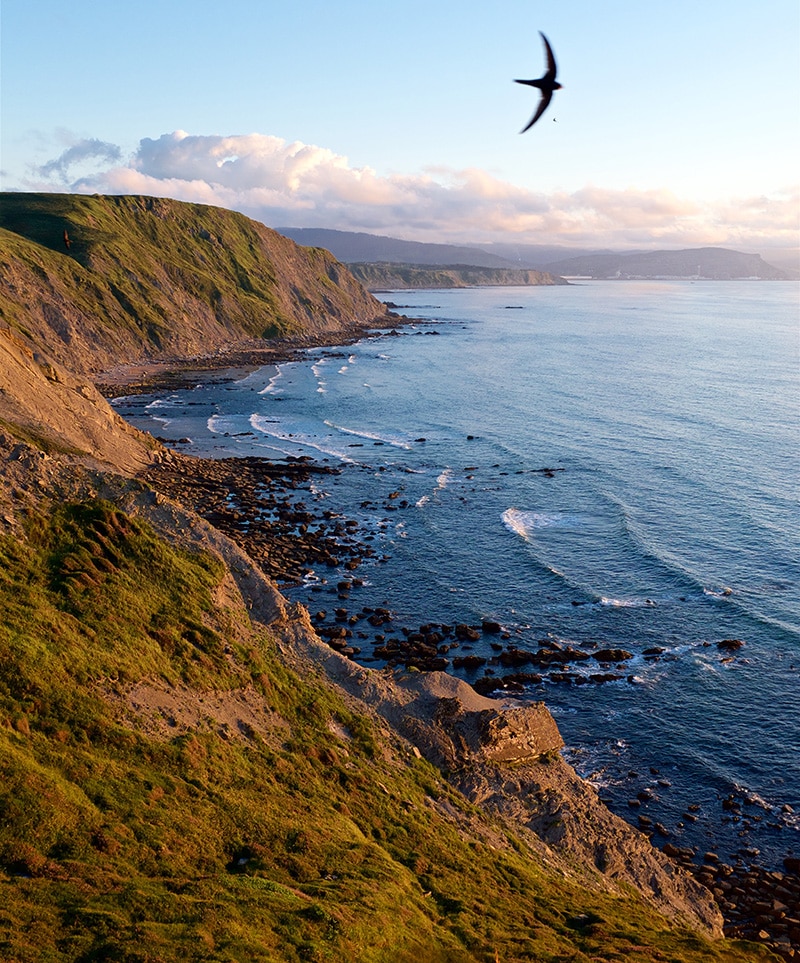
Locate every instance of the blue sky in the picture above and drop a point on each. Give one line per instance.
(678, 124)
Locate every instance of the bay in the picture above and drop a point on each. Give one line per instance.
(606, 465)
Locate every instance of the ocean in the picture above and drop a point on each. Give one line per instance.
(605, 466)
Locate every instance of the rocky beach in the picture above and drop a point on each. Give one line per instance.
(270, 510)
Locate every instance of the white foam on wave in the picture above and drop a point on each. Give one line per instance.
(156, 406)
(160, 403)
(718, 592)
(272, 429)
(526, 523)
(273, 387)
(394, 440)
(635, 603)
(165, 422)
(217, 424)
(444, 479)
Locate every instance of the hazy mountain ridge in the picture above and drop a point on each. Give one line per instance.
(186, 771)
(708, 262)
(353, 247)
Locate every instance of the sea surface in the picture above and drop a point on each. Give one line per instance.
(609, 463)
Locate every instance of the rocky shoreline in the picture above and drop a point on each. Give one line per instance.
(267, 508)
(172, 374)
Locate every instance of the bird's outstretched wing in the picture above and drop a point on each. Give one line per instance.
(552, 70)
(546, 83)
(547, 96)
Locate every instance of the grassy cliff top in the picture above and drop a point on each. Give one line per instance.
(103, 280)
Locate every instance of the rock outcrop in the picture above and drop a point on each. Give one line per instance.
(503, 756)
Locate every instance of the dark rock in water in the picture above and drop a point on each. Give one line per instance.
(491, 628)
(514, 657)
(612, 655)
(523, 678)
(468, 662)
(467, 633)
(730, 645)
(487, 685)
(556, 655)
(681, 853)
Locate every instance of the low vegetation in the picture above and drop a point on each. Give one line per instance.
(316, 837)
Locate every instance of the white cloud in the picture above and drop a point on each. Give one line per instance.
(302, 185)
(78, 153)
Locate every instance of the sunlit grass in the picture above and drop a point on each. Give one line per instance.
(287, 845)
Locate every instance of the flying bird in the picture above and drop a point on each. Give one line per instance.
(66, 239)
(547, 84)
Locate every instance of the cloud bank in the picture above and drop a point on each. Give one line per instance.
(302, 185)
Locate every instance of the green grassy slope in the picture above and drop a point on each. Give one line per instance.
(311, 837)
(149, 277)
(386, 275)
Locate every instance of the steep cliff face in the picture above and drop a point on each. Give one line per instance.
(100, 281)
(387, 276)
(43, 404)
